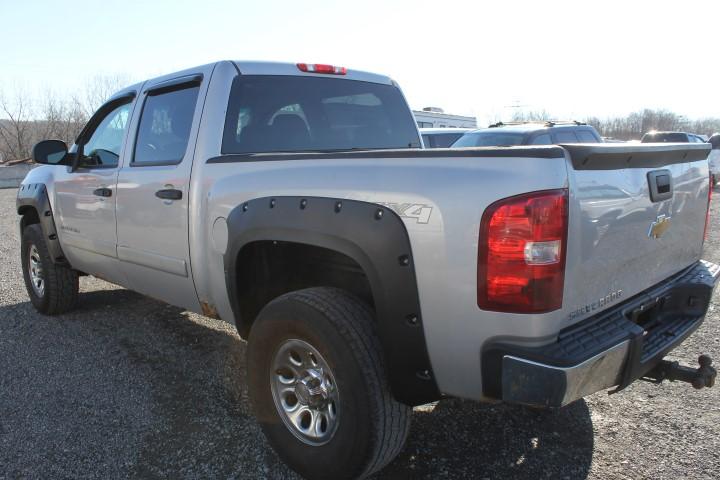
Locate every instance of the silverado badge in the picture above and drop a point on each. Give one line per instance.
(659, 226)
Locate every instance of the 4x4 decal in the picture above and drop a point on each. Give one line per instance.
(417, 211)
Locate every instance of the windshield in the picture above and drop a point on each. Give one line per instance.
(273, 113)
(487, 138)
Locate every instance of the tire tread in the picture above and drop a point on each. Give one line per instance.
(354, 320)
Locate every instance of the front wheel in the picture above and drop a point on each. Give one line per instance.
(52, 288)
(318, 385)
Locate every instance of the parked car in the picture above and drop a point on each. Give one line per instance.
(672, 137)
(367, 274)
(529, 133)
(441, 137)
(714, 158)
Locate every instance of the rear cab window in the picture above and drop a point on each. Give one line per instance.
(284, 113)
(489, 138)
(665, 137)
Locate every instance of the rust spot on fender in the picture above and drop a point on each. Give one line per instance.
(209, 310)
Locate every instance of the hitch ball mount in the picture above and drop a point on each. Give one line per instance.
(704, 376)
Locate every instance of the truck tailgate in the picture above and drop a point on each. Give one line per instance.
(636, 217)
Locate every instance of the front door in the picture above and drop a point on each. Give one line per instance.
(85, 199)
(153, 193)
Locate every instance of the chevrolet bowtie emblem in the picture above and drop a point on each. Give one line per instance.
(659, 226)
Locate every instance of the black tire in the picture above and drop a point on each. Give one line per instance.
(60, 291)
(372, 426)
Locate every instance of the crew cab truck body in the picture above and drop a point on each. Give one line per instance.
(368, 274)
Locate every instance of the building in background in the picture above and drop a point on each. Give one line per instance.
(432, 117)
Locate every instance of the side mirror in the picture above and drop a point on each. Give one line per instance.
(50, 152)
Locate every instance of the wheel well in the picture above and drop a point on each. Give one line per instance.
(268, 269)
(29, 216)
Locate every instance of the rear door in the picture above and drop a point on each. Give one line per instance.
(153, 190)
(637, 216)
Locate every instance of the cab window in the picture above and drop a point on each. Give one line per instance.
(164, 130)
(102, 149)
(586, 137)
(566, 137)
(543, 139)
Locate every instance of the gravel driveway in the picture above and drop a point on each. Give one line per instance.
(127, 386)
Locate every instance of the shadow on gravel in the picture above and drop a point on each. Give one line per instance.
(462, 439)
(199, 425)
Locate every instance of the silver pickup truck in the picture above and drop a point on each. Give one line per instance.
(369, 274)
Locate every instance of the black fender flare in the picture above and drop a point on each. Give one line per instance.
(35, 196)
(373, 236)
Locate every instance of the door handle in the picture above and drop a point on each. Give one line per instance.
(102, 192)
(169, 194)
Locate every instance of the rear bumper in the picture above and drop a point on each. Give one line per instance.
(611, 349)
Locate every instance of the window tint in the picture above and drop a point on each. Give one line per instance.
(268, 113)
(543, 139)
(427, 141)
(103, 147)
(444, 140)
(586, 137)
(566, 137)
(164, 128)
(488, 138)
(668, 137)
(425, 124)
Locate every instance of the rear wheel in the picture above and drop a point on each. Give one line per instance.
(52, 288)
(318, 385)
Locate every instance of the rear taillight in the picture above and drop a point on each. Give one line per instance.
(521, 254)
(707, 213)
(322, 68)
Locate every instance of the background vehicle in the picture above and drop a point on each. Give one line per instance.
(368, 274)
(441, 137)
(672, 137)
(529, 133)
(714, 158)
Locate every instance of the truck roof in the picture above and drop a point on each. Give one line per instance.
(286, 68)
(246, 67)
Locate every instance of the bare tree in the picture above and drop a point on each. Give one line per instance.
(531, 115)
(15, 129)
(97, 90)
(60, 119)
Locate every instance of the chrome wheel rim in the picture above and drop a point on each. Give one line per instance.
(305, 392)
(37, 278)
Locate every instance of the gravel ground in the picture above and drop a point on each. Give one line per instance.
(129, 387)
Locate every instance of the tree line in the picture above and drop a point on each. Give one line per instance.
(634, 125)
(26, 119)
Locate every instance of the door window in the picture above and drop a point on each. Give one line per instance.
(103, 147)
(566, 137)
(164, 129)
(543, 139)
(586, 137)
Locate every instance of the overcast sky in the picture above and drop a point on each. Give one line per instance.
(574, 58)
